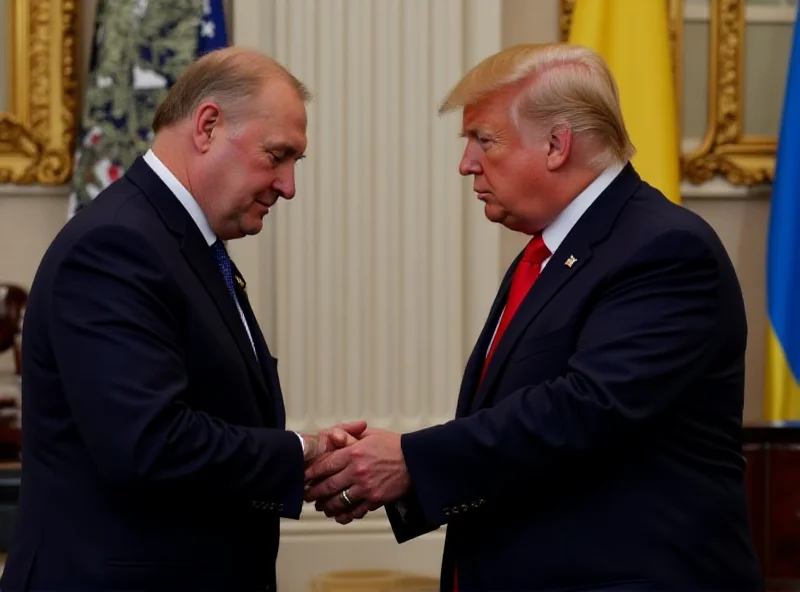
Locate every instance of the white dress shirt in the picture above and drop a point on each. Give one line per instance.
(558, 229)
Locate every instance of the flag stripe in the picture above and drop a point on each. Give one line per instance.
(633, 37)
(782, 393)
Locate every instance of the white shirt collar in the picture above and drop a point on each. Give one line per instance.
(559, 228)
(183, 195)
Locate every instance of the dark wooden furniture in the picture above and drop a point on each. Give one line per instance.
(772, 451)
(13, 299)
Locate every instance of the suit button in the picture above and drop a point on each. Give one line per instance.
(447, 511)
(272, 506)
(464, 508)
(280, 507)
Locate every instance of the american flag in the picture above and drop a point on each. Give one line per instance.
(124, 87)
(213, 34)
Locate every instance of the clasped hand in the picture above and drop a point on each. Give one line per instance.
(357, 470)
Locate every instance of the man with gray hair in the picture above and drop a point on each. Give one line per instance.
(155, 450)
(596, 443)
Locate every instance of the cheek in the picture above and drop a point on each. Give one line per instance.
(514, 181)
(262, 179)
(502, 172)
(254, 173)
(525, 171)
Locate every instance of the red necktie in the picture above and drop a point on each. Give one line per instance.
(525, 276)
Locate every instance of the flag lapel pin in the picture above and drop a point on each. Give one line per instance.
(571, 260)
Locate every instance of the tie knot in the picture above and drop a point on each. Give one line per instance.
(536, 251)
(219, 249)
(221, 254)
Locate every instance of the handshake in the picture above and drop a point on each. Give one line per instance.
(351, 470)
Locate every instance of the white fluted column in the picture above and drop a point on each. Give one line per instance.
(373, 283)
(375, 279)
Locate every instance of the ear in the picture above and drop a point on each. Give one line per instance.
(560, 147)
(207, 119)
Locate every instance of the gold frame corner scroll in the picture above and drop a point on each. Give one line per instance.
(725, 149)
(38, 132)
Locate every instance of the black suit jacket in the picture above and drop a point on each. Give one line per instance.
(154, 450)
(602, 450)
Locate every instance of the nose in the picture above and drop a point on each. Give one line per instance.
(285, 183)
(469, 165)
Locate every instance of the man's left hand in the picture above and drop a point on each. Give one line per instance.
(349, 482)
(325, 441)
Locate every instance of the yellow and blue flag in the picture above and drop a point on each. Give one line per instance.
(782, 393)
(633, 37)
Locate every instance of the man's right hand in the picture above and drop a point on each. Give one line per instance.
(331, 439)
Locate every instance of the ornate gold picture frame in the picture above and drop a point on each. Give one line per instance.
(725, 149)
(37, 133)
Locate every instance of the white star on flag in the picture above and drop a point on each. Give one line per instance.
(208, 29)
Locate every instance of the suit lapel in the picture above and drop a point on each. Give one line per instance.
(570, 258)
(553, 278)
(267, 361)
(199, 256)
(472, 373)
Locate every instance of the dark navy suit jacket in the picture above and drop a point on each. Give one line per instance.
(602, 451)
(154, 454)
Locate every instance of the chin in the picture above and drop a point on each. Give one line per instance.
(252, 227)
(494, 214)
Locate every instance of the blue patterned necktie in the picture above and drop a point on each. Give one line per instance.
(225, 266)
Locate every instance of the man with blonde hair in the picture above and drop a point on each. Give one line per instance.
(155, 450)
(596, 444)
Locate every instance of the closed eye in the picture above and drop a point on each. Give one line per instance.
(278, 157)
(482, 139)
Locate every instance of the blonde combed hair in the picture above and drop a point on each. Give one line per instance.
(559, 84)
(231, 77)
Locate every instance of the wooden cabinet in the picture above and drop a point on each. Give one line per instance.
(773, 489)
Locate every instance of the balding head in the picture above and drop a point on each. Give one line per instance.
(231, 131)
(231, 77)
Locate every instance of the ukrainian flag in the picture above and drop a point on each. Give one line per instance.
(782, 394)
(633, 37)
